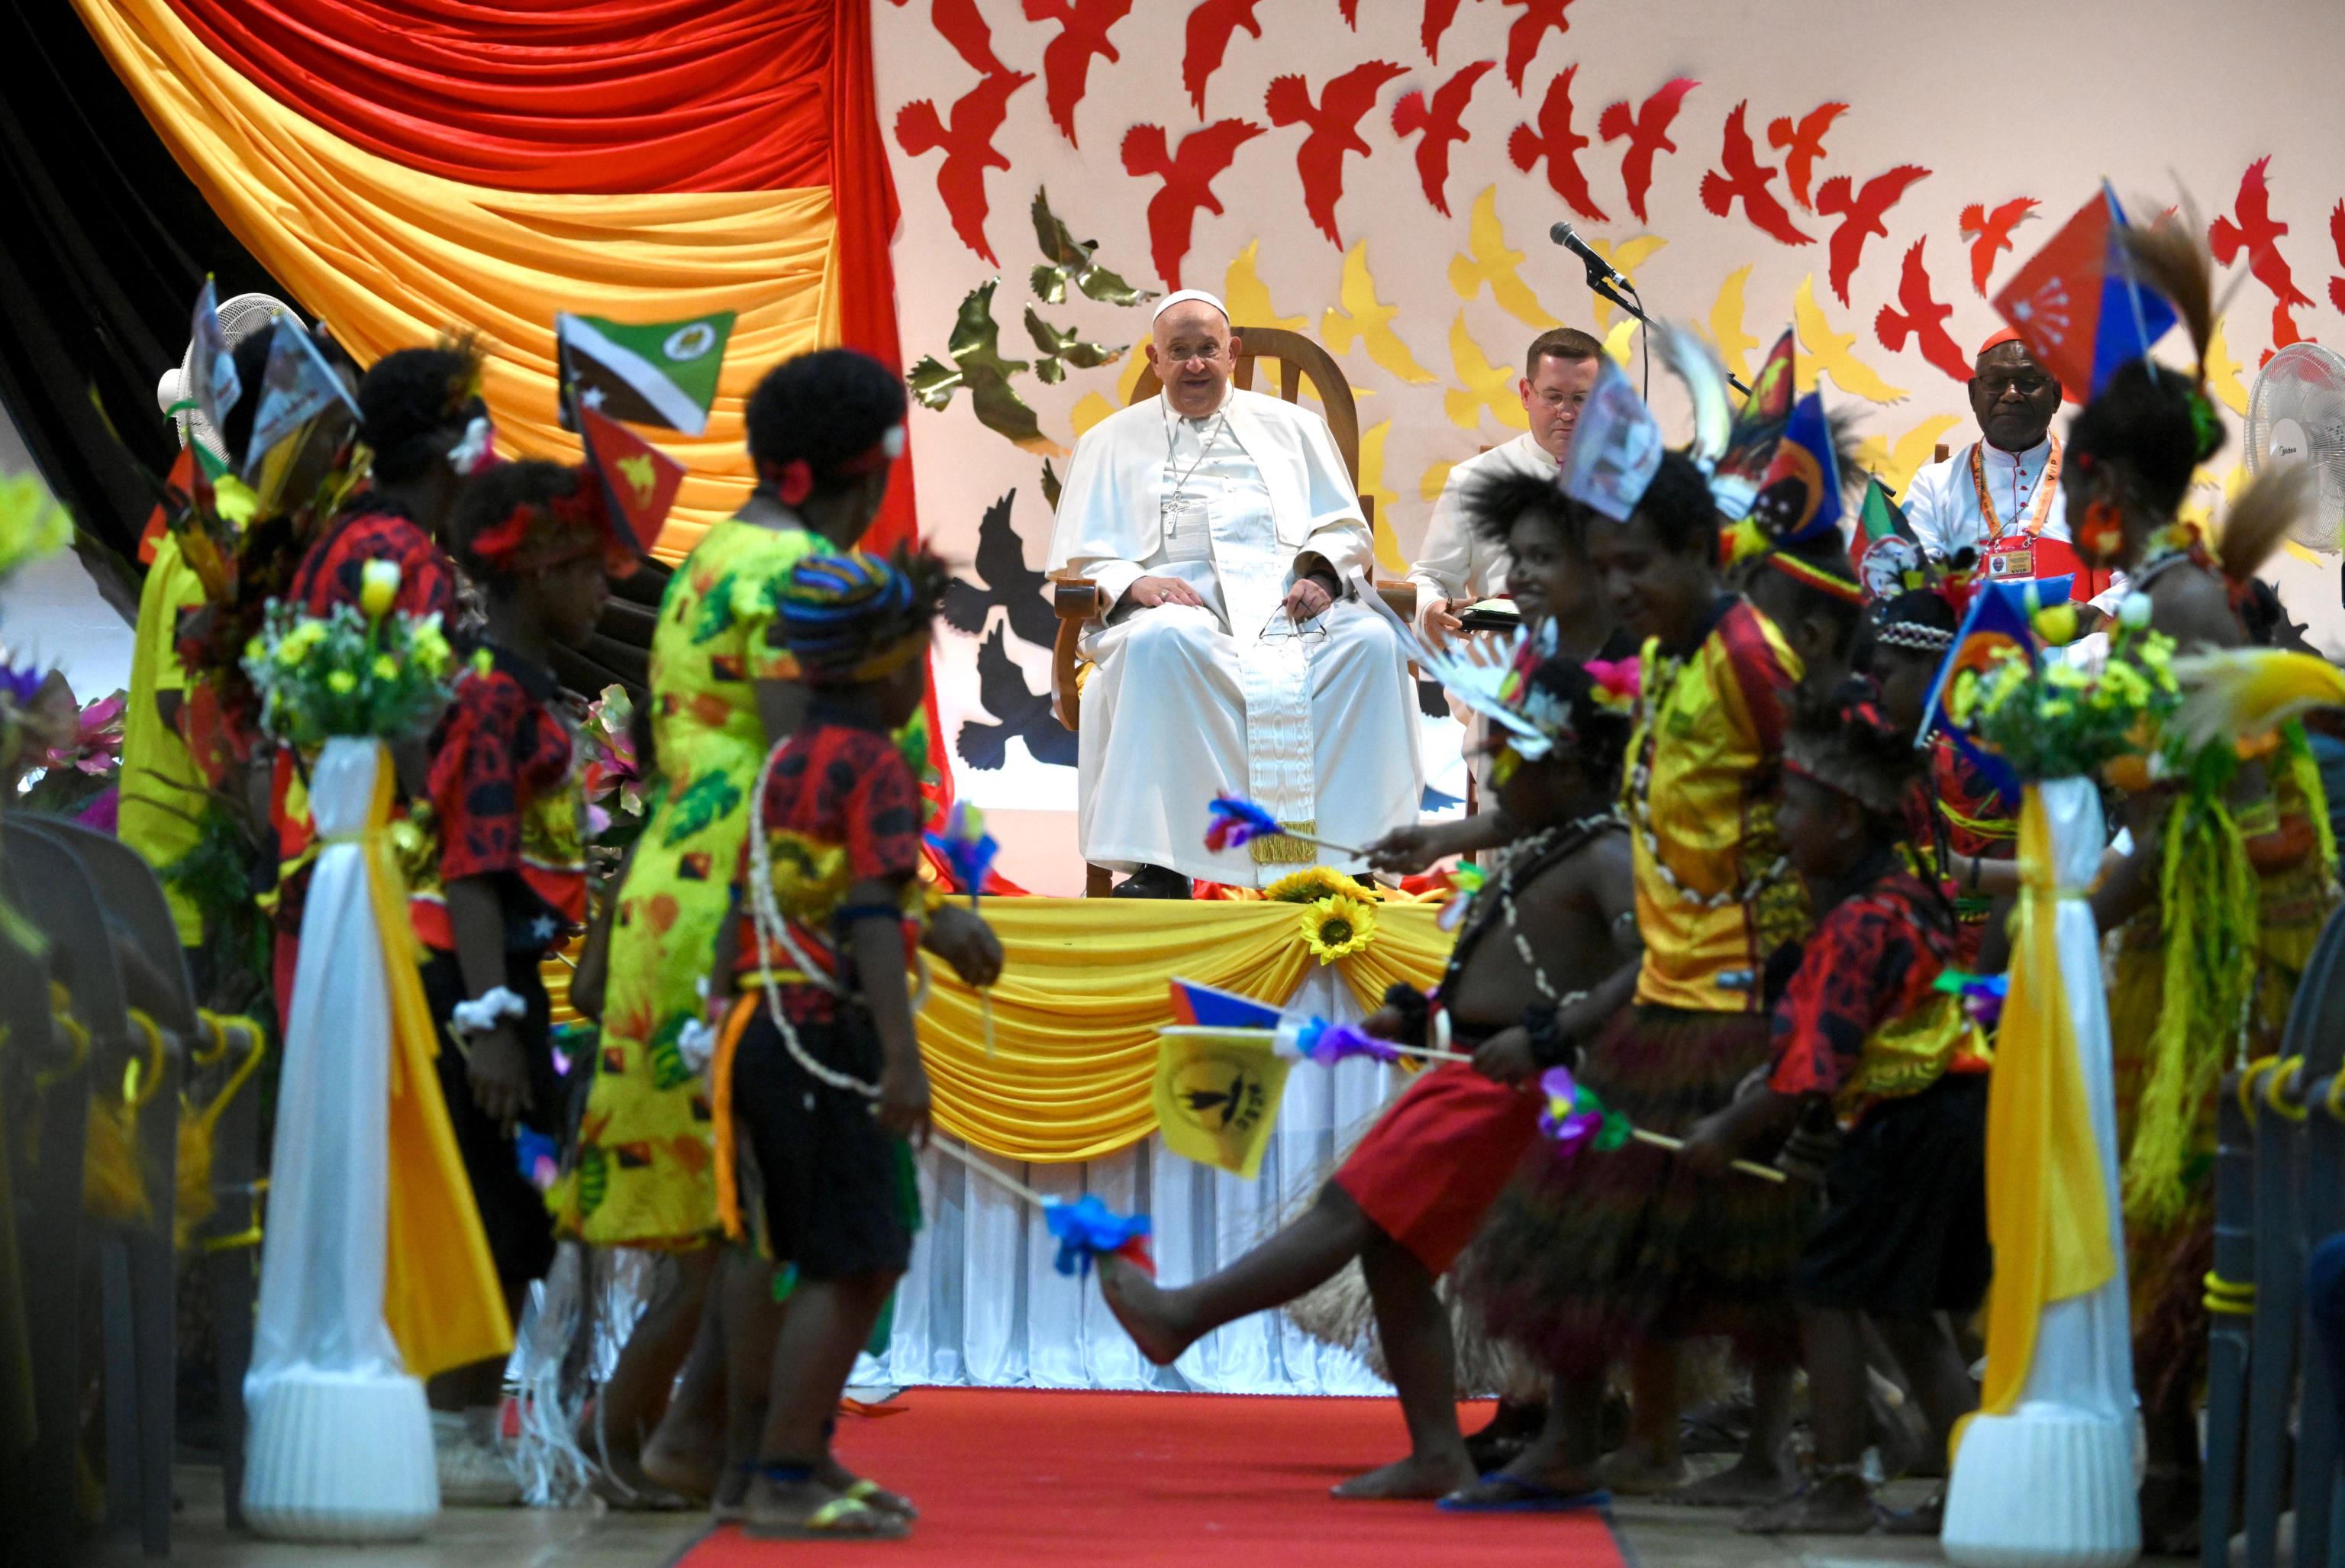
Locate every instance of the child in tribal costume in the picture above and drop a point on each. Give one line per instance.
(1582, 1261)
(818, 1079)
(2233, 871)
(422, 417)
(1410, 1197)
(500, 881)
(824, 430)
(1862, 1035)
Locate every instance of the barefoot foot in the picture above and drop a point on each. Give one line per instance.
(1834, 1504)
(1418, 1478)
(1144, 1308)
(1747, 1483)
(1633, 1472)
(688, 1472)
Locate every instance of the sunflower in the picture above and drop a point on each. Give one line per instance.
(1310, 885)
(1338, 926)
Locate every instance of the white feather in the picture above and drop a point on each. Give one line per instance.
(1696, 363)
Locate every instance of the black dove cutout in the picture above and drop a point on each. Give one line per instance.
(1007, 581)
(1001, 687)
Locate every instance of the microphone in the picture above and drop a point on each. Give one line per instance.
(1563, 234)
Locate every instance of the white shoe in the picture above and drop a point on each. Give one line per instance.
(473, 1471)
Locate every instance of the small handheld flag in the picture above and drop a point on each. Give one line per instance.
(2076, 304)
(1999, 622)
(639, 480)
(212, 386)
(970, 850)
(1233, 822)
(654, 373)
(297, 386)
(1216, 1094)
(1757, 430)
(1197, 1005)
(1798, 493)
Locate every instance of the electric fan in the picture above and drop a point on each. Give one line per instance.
(239, 318)
(2297, 414)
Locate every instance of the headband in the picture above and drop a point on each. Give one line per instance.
(1847, 590)
(794, 481)
(1914, 634)
(540, 536)
(1182, 296)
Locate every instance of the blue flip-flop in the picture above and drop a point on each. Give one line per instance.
(1525, 1497)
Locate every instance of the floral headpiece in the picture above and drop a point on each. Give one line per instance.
(794, 481)
(537, 536)
(1850, 747)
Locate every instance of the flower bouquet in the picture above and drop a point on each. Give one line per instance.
(347, 673)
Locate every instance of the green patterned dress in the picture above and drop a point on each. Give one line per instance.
(643, 1173)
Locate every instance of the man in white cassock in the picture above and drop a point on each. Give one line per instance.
(1455, 568)
(1240, 652)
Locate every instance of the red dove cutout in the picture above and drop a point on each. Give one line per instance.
(1556, 142)
(1744, 177)
(968, 144)
(2251, 228)
(1350, 11)
(958, 23)
(1921, 318)
(2337, 238)
(1802, 143)
(1990, 234)
(1538, 18)
(1067, 59)
(1438, 128)
(1438, 15)
(1188, 176)
(1647, 131)
(1860, 216)
(1206, 41)
(1333, 126)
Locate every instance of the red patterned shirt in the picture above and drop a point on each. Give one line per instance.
(840, 806)
(504, 804)
(332, 572)
(1862, 1017)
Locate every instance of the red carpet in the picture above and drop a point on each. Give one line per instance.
(1199, 1480)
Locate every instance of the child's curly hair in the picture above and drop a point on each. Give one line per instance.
(1844, 742)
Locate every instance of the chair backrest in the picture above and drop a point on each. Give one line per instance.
(1298, 360)
(133, 900)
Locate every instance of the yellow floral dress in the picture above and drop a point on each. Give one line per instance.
(643, 1171)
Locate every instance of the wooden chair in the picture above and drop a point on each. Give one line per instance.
(1298, 360)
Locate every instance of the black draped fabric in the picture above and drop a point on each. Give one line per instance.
(107, 243)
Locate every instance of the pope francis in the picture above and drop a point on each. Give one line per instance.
(1239, 654)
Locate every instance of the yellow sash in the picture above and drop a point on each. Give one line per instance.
(2046, 1202)
(439, 1295)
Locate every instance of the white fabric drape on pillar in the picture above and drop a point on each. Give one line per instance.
(983, 1306)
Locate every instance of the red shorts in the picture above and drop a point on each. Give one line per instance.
(1437, 1159)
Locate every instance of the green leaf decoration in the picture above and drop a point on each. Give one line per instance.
(701, 802)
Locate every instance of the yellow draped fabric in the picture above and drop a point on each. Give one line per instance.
(1082, 994)
(392, 258)
(2047, 1202)
(439, 1293)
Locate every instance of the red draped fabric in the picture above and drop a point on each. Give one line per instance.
(579, 96)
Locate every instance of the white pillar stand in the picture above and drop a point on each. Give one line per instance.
(340, 1445)
(2051, 1483)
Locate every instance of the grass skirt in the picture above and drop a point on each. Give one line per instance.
(1582, 1257)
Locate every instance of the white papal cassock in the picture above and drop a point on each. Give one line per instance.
(1318, 724)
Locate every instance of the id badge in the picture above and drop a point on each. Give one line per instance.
(2011, 559)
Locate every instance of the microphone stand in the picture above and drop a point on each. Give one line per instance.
(1602, 286)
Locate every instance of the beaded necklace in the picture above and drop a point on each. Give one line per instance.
(1534, 853)
(1639, 792)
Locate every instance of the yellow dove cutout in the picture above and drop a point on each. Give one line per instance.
(1092, 409)
(1128, 378)
(1248, 296)
(1372, 487)
(1627, 255)
(1894, 463)
(1434, 481)
(1726, 334)
(1364, 319)
(2223, 372)
(1487, 385)
(1823, 352)
(1489, 263)
(1620, 342)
